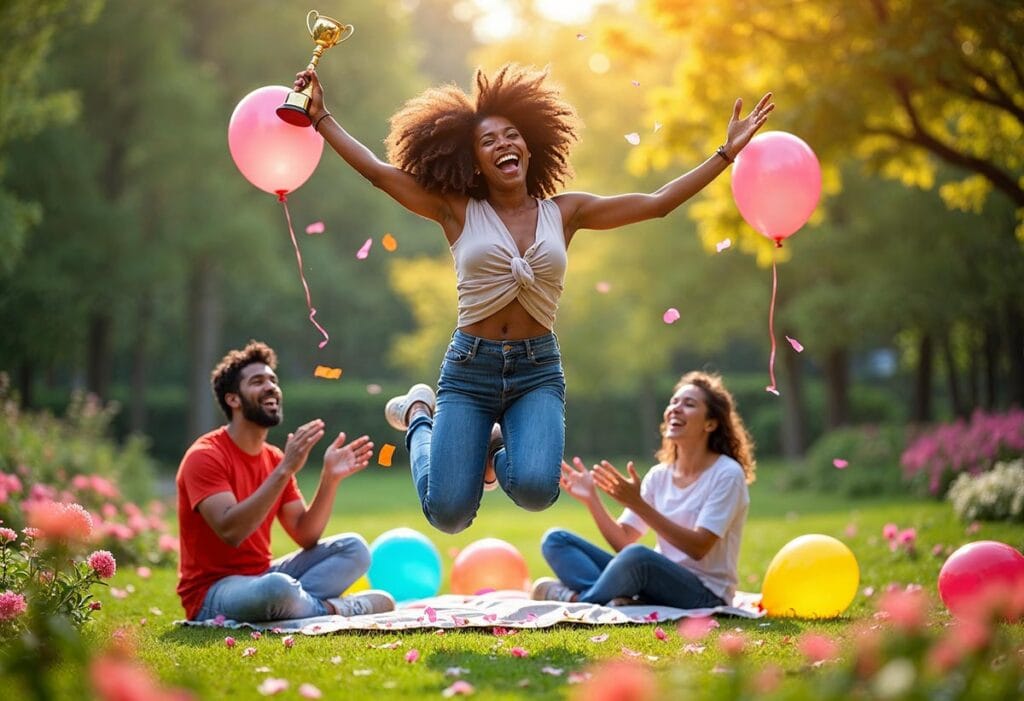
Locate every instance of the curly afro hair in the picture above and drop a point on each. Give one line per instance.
(226, 376)
(432, 135)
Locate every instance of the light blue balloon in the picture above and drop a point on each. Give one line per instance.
(405, 564)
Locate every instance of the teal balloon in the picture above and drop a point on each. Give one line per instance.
(406, 564)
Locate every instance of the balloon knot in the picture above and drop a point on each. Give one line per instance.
(282, 196)
(778, 243)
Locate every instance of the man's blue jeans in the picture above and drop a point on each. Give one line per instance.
(295, 586)
(599, 576)
(518, 384)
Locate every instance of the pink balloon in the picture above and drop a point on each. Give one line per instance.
(983, 574)
(776, 183)
(273, 155)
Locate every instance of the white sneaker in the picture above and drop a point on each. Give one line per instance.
(493, 446)
(363, 603)
(550, 589)
(397, 409)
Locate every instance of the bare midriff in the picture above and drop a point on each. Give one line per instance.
(511, 323)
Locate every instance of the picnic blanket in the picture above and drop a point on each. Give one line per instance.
(506, 609)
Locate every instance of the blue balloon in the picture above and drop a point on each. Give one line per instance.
(405, 564)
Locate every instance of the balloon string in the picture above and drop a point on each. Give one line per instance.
(281, 197)
(771, 331)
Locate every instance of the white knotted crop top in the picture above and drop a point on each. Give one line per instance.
(491, 273)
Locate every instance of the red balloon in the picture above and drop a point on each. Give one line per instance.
(273, 155)
(983, 575)
(776, 184)
(489, 564)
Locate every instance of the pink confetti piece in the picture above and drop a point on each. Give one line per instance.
(696, 628)
(797, 346)
(603, 287)
(229, 641)
(670, 316)
(288, 641)
(389, 242)
(660, 633)
(363, 252)
(840, 464)
(412, 655)
(256, 635)
(316, 227)
(374, 389)
(599, 638)
(248, 652)
(308, 691)
(271, 686)
(519, 652)
(723, 244)
(636, 83)
(143, 572)
(459, 688)
(633, 138)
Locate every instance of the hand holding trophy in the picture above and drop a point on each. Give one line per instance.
(326, 32)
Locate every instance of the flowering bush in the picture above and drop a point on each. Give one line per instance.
(997, 495)
(41, 575)
(938, 456)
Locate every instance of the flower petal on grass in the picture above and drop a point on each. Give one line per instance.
(249, 652)
(519, 652)
(229, 641)
(670, 316)
(308, 691)
(271, 686)
(599, 638)
(660, 633)
(459, 688)
(394, 645)
(630, 652)
(412, 655)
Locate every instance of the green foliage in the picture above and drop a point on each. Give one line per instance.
(872, 454)
(996, 495)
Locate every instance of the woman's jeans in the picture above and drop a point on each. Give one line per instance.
(295, 586)
(518, 384)
(599, 576)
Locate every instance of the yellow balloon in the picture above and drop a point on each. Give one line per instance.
(813, 576)
(361, 584)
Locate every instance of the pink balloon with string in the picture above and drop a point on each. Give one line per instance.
(776, 183)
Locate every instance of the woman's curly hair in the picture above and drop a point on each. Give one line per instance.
(432, 134)
(730, 437)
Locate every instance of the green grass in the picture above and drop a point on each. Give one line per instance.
(197, 659)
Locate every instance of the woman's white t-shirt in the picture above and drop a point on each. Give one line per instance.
(717, 501)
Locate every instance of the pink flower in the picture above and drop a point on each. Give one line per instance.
(412, 656)
(229, 641)
(907, 536)
(519, 652)
(906, 610)
(271, 686)
(696, 628)
(890, 531)
(167, 543)
(57, 521)
(12, 605)
(459, 688)
(7, 535)
(95, 606)
(143, 572)
(103, 564)
(255, 635)
(288, 641)
(818, 648)
(619, 680)
(660, 634)
(732, 644)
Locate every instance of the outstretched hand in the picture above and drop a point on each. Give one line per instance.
(341, 461)
(741, 131)
(298, 445)
(623, 489)
(577, 481)
(316, 105)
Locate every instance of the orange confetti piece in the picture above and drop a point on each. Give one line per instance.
(389, 243)
(327, 373)
(384, 456)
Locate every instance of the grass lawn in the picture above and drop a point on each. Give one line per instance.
(383, 499)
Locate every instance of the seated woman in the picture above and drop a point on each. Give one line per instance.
(695, 499)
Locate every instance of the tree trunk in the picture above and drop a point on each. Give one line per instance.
(26, 384)
(98, 366)
(140, 364)
(204, 315)
(991, 367)
(837, 403)
(792, 430)
(921, 410)
(956, 402)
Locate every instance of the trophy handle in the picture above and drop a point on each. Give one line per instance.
(311, 17)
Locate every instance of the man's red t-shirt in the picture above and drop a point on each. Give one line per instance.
(211, 465)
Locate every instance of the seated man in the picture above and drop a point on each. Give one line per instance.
(231, 485)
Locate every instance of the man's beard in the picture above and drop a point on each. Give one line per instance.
(254, 411)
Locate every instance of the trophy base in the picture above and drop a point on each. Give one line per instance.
(295, 109)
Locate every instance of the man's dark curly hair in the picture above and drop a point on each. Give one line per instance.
(432, 135)
(226, 376)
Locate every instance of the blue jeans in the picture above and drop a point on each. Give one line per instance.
(295, 586)
(518, 384)
(599, 576)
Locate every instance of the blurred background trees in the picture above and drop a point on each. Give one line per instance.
(135, 255)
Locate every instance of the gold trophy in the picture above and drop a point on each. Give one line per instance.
(326, 32)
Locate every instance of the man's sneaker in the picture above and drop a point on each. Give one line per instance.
(365, 602)
(550, 589)
(493, 446)
(397, 409)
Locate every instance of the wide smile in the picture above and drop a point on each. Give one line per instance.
(508, 163)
